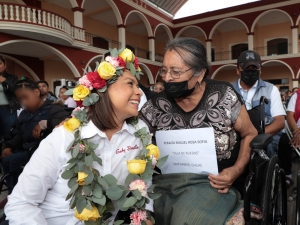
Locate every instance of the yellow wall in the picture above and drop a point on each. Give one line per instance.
(68, 14)
(99, 28)
(55, 70)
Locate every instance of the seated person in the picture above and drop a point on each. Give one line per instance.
(38, 116)
(46, 95)
(191, 100)
(67, 100)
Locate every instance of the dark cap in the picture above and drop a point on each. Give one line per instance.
(249, 58)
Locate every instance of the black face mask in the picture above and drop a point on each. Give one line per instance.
(249, 77)
(178, 89)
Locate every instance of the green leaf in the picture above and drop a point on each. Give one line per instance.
(137, 194)
(137, 75)
(114, 53)
(103, 89)
(86, 101)
(80, 205)
(88, 205)
(97, 191)
(151, 188)
(100, 201)
(162, 161)
(70, 146)
(94, 97)
(72, 182)
(102, 182)
(152, 219)
(121, 201)
(69, 92)
(129, 202)
(140, 204)
(89, 179)
(110, 206)
(69, 196)
(147, 175)
(74, 188)
(87, 189)
(68, 174)
(154, 196)
(118, 222)
(114, 193)
(131, 177)
(75, 150)
(89, 160)
(73, 202)
(110, 179)
(132, 69)
(96, 158)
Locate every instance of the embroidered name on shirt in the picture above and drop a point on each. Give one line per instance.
(128, 148)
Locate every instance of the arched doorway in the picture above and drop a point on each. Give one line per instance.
(162, 35)
(146, 79)
(226, 73)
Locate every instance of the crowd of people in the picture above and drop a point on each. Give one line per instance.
(187, 99)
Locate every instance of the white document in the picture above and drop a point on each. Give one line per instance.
(189, 150)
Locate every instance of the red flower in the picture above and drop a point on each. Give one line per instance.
(96, 80)
(79, 103)
(136, 63)
(121, 62)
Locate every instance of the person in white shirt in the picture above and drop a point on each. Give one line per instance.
(39, 198)
(68, 101)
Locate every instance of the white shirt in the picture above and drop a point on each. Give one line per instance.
(292, 105)
(143, 100)
(70, 103)
(39, 197)
(276, 103)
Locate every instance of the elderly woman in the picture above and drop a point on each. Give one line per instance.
(191, 100)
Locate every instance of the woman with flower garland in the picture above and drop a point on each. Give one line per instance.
(83, 171)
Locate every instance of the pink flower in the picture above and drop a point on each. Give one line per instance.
(81, 148)
(140, 185)
(113, 61)
(154, 162)
(137, 217)
(76, 109)
(85, 82)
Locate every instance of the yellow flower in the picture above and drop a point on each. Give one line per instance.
(153, 150)
(139, 69)
(81, 176)
(127, 55)
(106, 70)
(72, 124)
(88, 215)
(80, 92)
(136, 166)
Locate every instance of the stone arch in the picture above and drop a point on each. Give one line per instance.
(64, 58)
(220, 68)
(167, 29)
(187, 27)
(114, 8)
(266, 12)
(222, 21)
(279, 61)
(144, 19)
(27, 68)
(148, 72)
(91, 60)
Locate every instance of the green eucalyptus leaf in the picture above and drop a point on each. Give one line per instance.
(132, 69)
(72, 160)
(137, 194)
(68, 174)
(130, 202)
(69, 196)
(103, 89)
(70, 146)
(110, 206)
(88, 205)
(87, 189)
(147, 200)
(114, 53)
(141, 203)
(70, 165)
(97, 65)
(89, 179)
(154, 195)
(152, 219)
(131, 177)
(72, 182)
(89, 69)
(74, 188)
(86, 101)
(121, 201)
(93, 146)
(75, 150)
(94, 97)
(69, 92)
(137, 75)
(73, 202)
(102, 182)
(151, 188)
(147, 175)
(110, 179)
(97, 191)
(162, 161)
(96, 158)
(114, 193)
(100, 201)
(89, 160)
(80, 205)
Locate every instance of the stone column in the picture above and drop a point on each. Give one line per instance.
(250, 41)
(208, 49)
(78, 17)
(294, 39)
(122, 35)
(152, 48)
(295, 82)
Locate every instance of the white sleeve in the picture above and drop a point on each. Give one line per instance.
(292, 103)
(39, 175)
(143, 100)
(276, 103)
(71, 103)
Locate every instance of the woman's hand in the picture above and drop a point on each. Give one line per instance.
(224, 180)
(36, 133)
(6, 152)
(148, 222)
(295, 141)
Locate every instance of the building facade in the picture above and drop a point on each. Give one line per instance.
(55, 39)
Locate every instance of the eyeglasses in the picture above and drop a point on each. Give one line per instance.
(158, 88)
(175, 74)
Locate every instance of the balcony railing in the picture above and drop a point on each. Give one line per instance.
(272, 50)
(101, 42)
(31, 15)
(142, 53)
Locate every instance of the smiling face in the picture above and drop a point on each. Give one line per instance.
(125, 96)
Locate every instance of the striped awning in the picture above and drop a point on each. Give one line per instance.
(170, 6)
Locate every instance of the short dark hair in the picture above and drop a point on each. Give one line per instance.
(26, 83)
(294, 89)
(42, 82)
(64, 87)
(195, 52)
(2, 59)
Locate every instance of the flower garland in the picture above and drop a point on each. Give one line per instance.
(90, 193)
